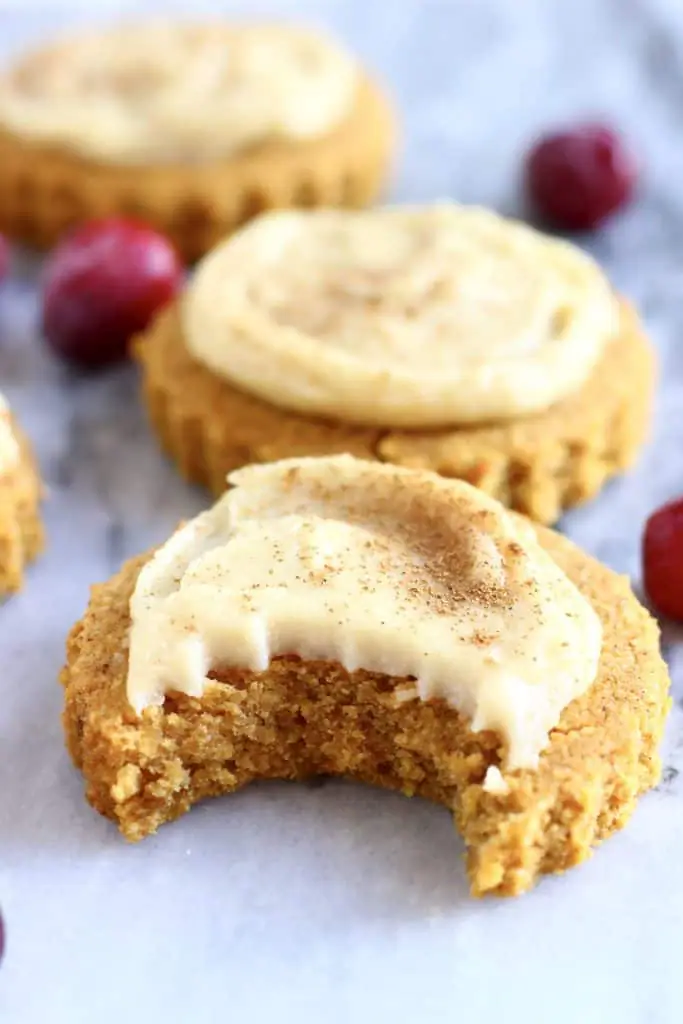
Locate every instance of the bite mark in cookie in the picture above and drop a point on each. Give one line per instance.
(292, 715)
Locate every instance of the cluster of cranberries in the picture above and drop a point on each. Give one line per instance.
(105, 281)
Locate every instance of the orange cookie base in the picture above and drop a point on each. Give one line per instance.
(299, 719)
(21, 530)
(538, 465)
(45, 190)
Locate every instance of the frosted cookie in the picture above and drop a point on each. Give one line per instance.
(438, 337)
(21, 531)
(193, 128)
(339, 616)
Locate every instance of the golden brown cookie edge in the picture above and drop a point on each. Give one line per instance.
(46, 190)
(21, 528)
(538, 465)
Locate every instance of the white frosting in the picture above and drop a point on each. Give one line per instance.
(386, 569)
(494, 782)
(175, 91)
(9, 449)
(400, 317)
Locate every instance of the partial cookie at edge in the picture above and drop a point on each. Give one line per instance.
(21, 529)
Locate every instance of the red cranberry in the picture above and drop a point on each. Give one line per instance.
(663, 559)
(577, 178)
(103, 284)
(4, 257)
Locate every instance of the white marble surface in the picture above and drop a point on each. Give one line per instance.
(341, 904)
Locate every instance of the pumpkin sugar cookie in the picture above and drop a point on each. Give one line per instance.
(439, 337)
(21, 531)
(192, 128)
(339, 616)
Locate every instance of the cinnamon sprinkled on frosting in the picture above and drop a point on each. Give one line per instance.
(376, 567)
(408, 317)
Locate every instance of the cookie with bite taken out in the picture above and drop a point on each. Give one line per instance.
(339, 616)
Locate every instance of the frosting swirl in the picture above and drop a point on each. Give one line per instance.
(412, 317)
(178, 91)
